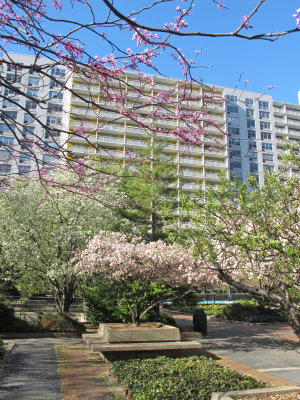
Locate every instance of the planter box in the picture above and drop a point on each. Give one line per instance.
(128, 333)
(255, 393)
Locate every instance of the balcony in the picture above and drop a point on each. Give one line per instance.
(189, 161)
(195, 174)
(293, 112)
(190, 186)
(293, 122)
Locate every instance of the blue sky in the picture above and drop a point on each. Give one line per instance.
(226, 61)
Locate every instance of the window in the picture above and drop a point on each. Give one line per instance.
(236, 175)
(30, 105)
(266, 135)
(253, 157)
(264, 115)
(52, 133)
(49, 159)
(24, 169)
(55, 84)
(56, 95)
(6, 141)
(267, 157)
(58, 71)
(28, 130)
(7, 128)
(53, 120)
(24, 157)
(253, 167)
(5, 168)
(235, 153)
(14, 78)
(5, 155)
(231, 99)
(33, 92)
(250, 113)
(11, 67)
(28, 118)
(234, 142)
(250, 123)
(33, 81)
(263, 105)
(252, 145)
(8, 91)
(55, 107)
(235, 165)
(268, 167)
(54, 145)
(232, 109)
(25, 144)
(9, 114)
(267, 146)
(233, 121)
(249, 103)
(233, 131)
(251, 134)
(7, 103)
(265, 125)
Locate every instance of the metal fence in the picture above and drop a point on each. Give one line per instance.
(42, 304)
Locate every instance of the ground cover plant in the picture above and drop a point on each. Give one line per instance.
(190, 378)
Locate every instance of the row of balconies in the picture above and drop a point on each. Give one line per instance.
(121, 154)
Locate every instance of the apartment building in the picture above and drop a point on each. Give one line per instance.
(256, 124)
(31, 111)
(112, 135)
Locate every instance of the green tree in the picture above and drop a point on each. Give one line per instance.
(149, 184)
(41, 230)
(250, 238)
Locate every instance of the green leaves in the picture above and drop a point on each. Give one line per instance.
(190, 378)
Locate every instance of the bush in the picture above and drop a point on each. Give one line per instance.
(61, 323)
(104, 305)
(2, 349)
(189, 378)
(9, 323)
(249, 311)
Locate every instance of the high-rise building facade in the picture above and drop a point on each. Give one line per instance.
(35, 108)
(31, 105)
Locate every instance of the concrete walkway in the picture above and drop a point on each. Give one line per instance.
(269, 348)
(30, 372)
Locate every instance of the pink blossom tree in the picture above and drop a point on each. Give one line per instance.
(57, 34)
(113, 258)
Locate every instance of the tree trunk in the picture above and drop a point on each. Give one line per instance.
(64, 297)
(294, 320)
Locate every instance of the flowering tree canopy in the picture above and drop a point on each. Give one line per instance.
(41, 229)
(56, 33)
(250, 238)
(112, 257)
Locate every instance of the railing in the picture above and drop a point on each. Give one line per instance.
(41, 304)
